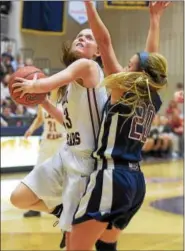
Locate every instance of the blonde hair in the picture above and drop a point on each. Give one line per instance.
(139, 85)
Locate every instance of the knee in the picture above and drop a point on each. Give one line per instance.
(22, 198)
(15, 199)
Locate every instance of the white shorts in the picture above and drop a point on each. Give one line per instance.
(61, 179)
(46, 180)
(73, 190)
(48, 148)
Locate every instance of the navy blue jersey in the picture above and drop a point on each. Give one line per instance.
(122, 137)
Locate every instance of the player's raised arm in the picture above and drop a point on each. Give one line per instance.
(102, 36)
(156, 10)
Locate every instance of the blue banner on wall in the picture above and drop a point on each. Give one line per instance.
(43, 17)
(128, 5)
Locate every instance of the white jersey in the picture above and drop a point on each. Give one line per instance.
(82, 114)
(52, 129)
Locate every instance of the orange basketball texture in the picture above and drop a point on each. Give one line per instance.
(29, 99)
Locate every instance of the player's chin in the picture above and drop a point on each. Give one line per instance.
(81, 52)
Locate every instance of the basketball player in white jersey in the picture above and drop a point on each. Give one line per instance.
(41, 190)
(53, 136)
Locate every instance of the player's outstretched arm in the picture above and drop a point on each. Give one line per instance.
(156, 11)
(103, 39)
(82, 69)
(37, 122)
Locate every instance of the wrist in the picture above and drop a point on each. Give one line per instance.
(155, 19)
(154, 24)
(34, 84)
(45, 103)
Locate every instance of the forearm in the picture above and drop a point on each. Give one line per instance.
(152, 43)
(103, 39)
(46, 85)
(35, 124)
(76, 70)
(53, 111)
(100, 31)
(38, 121)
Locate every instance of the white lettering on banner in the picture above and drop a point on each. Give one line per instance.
(77, 11)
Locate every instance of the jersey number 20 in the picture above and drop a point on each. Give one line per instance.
(144, 121)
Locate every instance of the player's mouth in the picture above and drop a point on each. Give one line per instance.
(80, 45)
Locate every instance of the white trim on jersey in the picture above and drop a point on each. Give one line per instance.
(107, 191)
(93, 109)
(111, 139)
(85, 199)
(100, 137)
(107, 186)
(106, 195)
(112, 136)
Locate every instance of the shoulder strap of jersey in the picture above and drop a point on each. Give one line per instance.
(101, 76)
(91, 95)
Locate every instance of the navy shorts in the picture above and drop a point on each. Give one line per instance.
(113, 196)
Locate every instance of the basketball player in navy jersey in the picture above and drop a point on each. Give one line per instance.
(116, 188)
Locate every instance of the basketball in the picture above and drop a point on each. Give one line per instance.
(29, 99)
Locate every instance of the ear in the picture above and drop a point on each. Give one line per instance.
(97, 54)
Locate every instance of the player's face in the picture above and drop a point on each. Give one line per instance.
(85, 45)
(133, 64)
